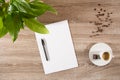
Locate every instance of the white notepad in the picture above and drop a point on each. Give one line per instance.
(56, 48)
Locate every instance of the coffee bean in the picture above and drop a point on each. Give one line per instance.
(98, 23)
(99, 4)
(108, 13)
(99, 29)
(98, 12)
(104, 25)
(104, 10)
(101, 9)
(91, 36)
(103, 20)
(95, 9)
(90, 22)
(108, 16)
(101, 14)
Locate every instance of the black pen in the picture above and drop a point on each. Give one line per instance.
(45, 49)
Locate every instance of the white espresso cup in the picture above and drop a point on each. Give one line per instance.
(100, 54)
(101, 57)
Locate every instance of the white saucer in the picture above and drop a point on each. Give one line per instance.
(98, 48)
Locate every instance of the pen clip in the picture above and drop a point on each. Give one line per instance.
(44, 45)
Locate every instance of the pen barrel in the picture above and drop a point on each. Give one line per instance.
(45, 49)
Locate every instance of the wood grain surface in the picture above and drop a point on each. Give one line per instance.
(21, 60)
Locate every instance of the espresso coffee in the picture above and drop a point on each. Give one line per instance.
(106, 56)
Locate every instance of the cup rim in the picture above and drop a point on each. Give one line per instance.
(110, 54)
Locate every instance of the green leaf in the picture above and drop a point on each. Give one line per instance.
(13, 23)
(32, 9)
(27, 0)
(15, 12)
(1, 23)
(3, 30)
(24, 8)
(12, 9)
(1, 12)
(35, 26)
(35, 1)
(40, 8)
(2, 1)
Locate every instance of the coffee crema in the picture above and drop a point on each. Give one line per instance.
(106, 55)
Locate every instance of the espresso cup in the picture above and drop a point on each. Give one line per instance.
(102, 55)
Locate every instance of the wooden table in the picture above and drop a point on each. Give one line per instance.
(21, 60)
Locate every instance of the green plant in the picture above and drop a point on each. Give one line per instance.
(16, 14)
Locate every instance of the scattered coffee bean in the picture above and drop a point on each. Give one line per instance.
(104, 25)
(98, 23)
(99, 12)
(90, 22)
(90, 36)
(110, 19)
(99, 29)
(101, 9)
(103, 20)
(99, 4)
(95, 9)
(104, 10)
(94, 35)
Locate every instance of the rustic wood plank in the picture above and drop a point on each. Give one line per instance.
(21, 60)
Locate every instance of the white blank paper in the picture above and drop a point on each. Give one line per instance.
(60, 49)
